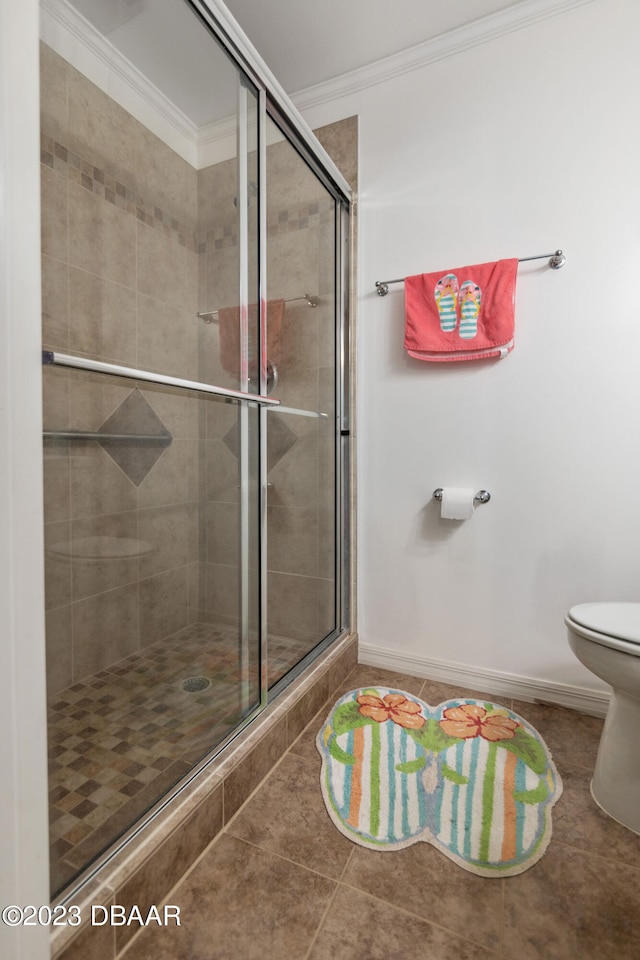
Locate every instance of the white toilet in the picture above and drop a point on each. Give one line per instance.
(605, 637)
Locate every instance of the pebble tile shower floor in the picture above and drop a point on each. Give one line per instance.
(281, 883)
(120, 739)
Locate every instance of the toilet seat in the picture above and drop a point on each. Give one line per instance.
(615, 625)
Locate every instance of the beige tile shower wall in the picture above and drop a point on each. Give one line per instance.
(120, 284)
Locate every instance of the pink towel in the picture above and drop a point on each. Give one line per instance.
(466, 314)
(229, 320)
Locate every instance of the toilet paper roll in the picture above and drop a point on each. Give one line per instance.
(457, 503)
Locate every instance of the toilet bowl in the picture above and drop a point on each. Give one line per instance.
(605, 637)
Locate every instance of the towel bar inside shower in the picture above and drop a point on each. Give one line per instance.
(211, 316)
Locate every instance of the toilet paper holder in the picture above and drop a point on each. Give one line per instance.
(482, 496)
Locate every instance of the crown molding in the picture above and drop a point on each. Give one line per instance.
(217, 141)
(448, 44)
(76, 40)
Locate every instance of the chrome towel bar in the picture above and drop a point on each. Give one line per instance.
(211, 316)
(556, 260)
(112, 369)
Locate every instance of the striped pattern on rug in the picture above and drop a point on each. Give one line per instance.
(482, 796)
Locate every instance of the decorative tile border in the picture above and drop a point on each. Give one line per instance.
(63, 161)
(57, 157)
(303, 216)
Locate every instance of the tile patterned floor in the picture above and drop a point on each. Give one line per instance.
(120, 739)
(281, 883)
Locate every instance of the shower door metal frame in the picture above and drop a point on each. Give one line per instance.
(343, 399)
(262, 386)
(226, 29)
(244, 532)
(275, 103)
(272, 102)
(342, 347)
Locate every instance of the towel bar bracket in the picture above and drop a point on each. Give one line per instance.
(482, 496)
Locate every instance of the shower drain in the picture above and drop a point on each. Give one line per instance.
(195, 684)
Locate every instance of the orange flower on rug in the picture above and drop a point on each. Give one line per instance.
(472, 720)
(393, 706)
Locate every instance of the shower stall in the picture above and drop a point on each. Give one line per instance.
(196, 422)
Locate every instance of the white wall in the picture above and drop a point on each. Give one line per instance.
(516, 147)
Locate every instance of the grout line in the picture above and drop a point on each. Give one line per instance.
(281, 856)
(250, 796)
(349, 859)
(573, 764)
(599, 856)
(323, 918)
(490, 954)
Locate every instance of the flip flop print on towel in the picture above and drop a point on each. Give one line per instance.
(446, 294)
(470, 777)
(470, 300)
(450, 297)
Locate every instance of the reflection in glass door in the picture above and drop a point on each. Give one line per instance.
(301, 439)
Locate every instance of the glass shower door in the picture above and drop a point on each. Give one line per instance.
(152, 416)
(302, 355)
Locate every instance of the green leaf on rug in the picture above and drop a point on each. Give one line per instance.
(528, 749)
(411, 766)
(347, 717)
(432, 737)
(537, 795)
(339, 754)
(453, 775)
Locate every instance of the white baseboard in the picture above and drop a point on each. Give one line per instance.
(593, 702)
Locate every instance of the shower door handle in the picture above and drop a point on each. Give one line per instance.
(97, 366)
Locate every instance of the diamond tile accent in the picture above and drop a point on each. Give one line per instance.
(281, 439)
(135, 417)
